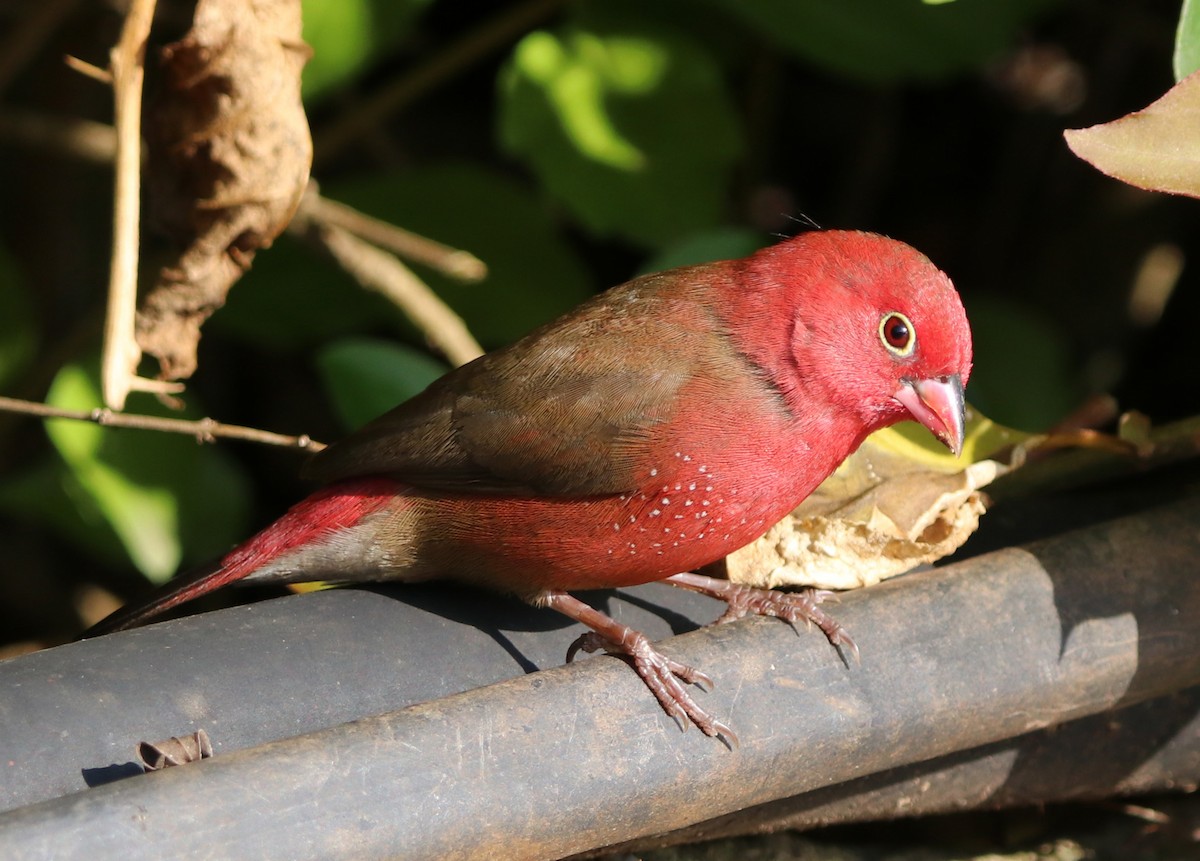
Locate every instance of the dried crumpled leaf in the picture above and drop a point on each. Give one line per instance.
(896, 503)
(1156, 148)
(230, 153)
(177, 750)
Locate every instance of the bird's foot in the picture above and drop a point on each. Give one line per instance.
(664, 677)
(793, 607)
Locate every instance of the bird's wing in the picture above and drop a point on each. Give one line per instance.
(568, 411)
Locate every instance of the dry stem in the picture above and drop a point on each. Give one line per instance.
(204, 430)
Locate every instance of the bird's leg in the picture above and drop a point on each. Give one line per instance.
(662, 675)
(791, 606)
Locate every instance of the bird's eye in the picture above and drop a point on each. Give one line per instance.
(897, 333)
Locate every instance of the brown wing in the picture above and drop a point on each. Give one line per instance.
(567, 411)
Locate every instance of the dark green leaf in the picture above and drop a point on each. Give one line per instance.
(726, 243)
(533, 275)
(366, 377)
(882, 41)
(17, 329)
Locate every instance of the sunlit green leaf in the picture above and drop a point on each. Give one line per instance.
(883, 41)
(346, 35)
(628, 125)
(366, 377)
(17, 329)
(1156, 148)
(1187, 40)
(151, 489)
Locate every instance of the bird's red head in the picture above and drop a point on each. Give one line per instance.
(873, 326)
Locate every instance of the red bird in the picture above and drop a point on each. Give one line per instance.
(654, 429)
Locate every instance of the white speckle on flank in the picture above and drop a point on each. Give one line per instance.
(666, 501)
(655, 513)
(708, 488)
(616, 527)
(686, 458)
(679, 487)
(704, 502)
(692, 486)
(679, 517)
(653, 472)
(701, 535)
(679, 454)
(632, 518)
(687, 502)
(703, 469)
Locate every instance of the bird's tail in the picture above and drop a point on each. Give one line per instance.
(336, 507)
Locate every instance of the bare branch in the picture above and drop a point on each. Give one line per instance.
(453, 262)
(121, 352)
(204, 430)
(383, 273)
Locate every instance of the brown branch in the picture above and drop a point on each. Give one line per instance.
(82, 139)
(466, 51)
(383, 273)
(204, 430)
(453, 262)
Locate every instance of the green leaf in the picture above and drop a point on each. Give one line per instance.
(725, 243)
(366, 377)
(293, 298)
(17, 327)
(533, 275)
(628, 125)
(885, 41)
(1187, 40)
(346, 35)
(1023, 376)
(1156, 148)
(157, 492)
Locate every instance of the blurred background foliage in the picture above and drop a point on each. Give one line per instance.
(594, 140)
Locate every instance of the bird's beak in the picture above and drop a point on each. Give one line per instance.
(939, 405)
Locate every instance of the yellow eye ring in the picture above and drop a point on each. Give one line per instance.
(898, 334)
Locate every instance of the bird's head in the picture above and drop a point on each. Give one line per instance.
(873, 326)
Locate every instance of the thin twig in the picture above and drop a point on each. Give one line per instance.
(27, 38)
(470, 49)
(88, 70)
(121, 352)
(82, 139)
(204, 430)
(382, 272)
(453, 262)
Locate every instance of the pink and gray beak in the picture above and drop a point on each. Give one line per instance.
(939, 405)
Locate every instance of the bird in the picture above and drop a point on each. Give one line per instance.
(652, 430)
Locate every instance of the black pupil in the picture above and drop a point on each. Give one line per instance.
(897, 332)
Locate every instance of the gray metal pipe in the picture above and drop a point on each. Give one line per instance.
(573, 758)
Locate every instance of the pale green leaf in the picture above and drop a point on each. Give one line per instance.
(1187, 40)
(154, 491)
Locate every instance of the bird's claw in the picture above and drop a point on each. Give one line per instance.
(664, 677)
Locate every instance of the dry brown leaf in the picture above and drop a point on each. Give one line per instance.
(230, 153)
(890, 507)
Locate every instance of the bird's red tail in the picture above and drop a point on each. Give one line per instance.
(336, 507)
